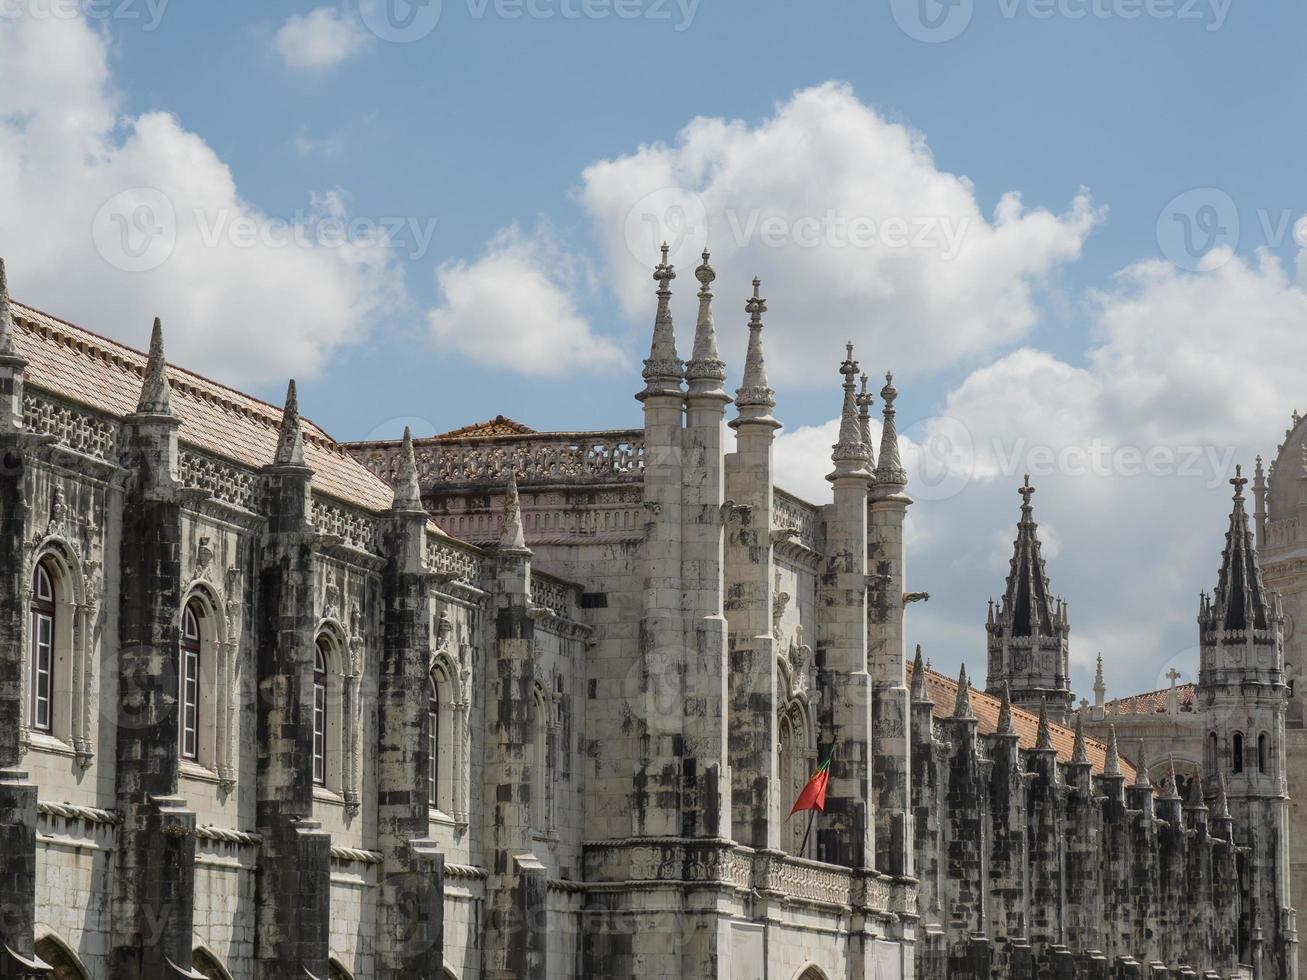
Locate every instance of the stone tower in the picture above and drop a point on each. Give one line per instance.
(1242, 694)
(1028, 630)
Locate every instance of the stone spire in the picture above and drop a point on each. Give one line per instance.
(1196, 801)
(1079, 753)
(1222, 811)
(663, 370)
(1027, 597)
(6, 315)
(1112, 765)
(1141, 768)
(918, 677)
(849, 455)
(155, 399)
(754, 397)
(512, 537)
(1170, 785)
(890, 472)
(1044, 739)
(962, 706)
(1240, 602)
(1100, 688)
(408, 493)
(1005, 726)
(705, 369)
(864, 421)
(290, 443)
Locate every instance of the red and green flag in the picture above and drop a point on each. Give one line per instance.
(813, 796)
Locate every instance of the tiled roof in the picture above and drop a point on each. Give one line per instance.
(943, 691)
(1153, 702)
(498, 426)
(74, 364)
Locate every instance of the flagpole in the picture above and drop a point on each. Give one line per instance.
(803, 848)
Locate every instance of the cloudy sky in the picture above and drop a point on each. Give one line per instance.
(1071, 227)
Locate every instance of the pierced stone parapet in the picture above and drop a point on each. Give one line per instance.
(72, 426)
(355, 527)
(222, 480)
(457, 562)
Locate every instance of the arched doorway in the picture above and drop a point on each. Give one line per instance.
(812, 973)
(66, 965)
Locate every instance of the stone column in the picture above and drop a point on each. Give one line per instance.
(965, 804)
(411, 897)
(757, 810)
(516, 930)
(846, 833)
(154, 877)
(1046, 834)
(293, 895)
(1008, 845)
(1084, 869)
(17, 795)
(886, 650)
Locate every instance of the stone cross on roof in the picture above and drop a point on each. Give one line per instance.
(1173, 675)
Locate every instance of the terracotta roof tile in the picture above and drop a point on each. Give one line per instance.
(78, 365)
(1153, 702)
(498, 426)
(943, 691)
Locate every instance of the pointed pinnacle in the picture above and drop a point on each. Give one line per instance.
(891, 470)
(918, 677)
(6, 315)
(1141, 768)
(1044, 740)
(1079, 754)
(1112, 764)
(1171, 786)
(290, 443)
(962, 706)
(1005, 726)
(1196, 801)
(755, 390)
(864, 420)
(850, 449)
(663, 370)
(1222, 811)
(408, 492)
(705, 362)
(154, 399)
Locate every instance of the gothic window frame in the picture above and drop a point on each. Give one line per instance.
(796, 759)
(1263, 753)
(339, 770)
(541, 808)
(43, 612)
(72, 711)
(448, 740)
(433, 742)
(321, 754)
(191, 659)
(1237, 749)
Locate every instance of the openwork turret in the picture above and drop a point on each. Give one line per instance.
(1029, 629)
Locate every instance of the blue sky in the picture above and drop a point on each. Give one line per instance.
(522, 143)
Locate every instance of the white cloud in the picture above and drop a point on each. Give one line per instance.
(846, 216)
(319, 40)
(1129, 454)
(88, 195)
(513, 309)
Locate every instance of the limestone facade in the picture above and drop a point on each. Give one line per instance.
(504, 704)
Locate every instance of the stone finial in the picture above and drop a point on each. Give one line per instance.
(1044, 739)
(1100, 688)
(864, 420)
(962, 706)
(512, 536)
(1005, 726)
(155, 390)
(663, 370)
(1141, 768)
(755, 390)
(705, 365)
(1079, 752)
(918, 677)
(1112, 764)
(290, 443)
(1222, 811)
(6, 315)
(1170, 785)
(408, 492)
(849, 454)
(1196, 801)
(890, 471)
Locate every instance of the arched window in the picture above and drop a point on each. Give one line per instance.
(1212, 752)
(433, 744)
(189, 675)
(1236, 762)
(42, 649)
(1263, 762)
(321, 652)
(540, 810)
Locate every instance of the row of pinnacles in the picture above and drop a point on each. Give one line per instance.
(1030, 866)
